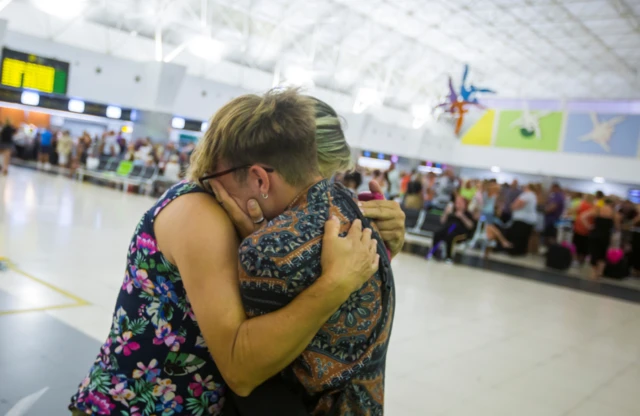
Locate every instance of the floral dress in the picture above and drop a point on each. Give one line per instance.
(154, 361)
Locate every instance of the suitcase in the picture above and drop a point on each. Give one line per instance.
(617, 266)
(559, 257)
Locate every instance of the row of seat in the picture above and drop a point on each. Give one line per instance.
(423, 225)
(120, 172)
(420, 222)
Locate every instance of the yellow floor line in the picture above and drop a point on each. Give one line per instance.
(78, 300)
(44, 308)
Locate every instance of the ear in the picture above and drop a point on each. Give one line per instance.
(260, 177)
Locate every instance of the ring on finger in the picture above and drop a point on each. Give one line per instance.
(260, 221)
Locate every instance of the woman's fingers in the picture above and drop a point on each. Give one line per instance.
(244, 223)
(355, 232)
(254, 211)
(375, 187)
(381, 210)
(332, 228)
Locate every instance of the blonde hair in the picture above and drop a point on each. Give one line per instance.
(334, 154)
(277, 129)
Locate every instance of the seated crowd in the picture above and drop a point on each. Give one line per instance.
(518, 220)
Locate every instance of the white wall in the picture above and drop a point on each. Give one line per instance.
(382, 129)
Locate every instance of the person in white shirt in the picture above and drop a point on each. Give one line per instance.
(393, 180)
(515, 238)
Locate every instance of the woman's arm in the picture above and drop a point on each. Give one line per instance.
(196, 235)
(465, 220)
(518, 204)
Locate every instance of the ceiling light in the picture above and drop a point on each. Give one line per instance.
(206, 48)
(30, 98)
(114, 112)
(65, 9)
(177, 123)
(598, 179)
(204, 126)
(77, 106)
(495, 169)
(298, 76)
(367, 97)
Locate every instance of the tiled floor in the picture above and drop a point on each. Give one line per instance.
(465, 341)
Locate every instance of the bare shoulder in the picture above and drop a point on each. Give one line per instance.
(192, 218)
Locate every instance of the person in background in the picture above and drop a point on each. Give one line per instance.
(53, 150)
(352, 181)
(109, 144)
(553, 209)
(572, 207)
(582, 228)
(393, 181)
(477, 202)
(599, 202)
(490, 202)
(508, 197)
(605, 220)
(457, 226)
(122, 144)
(21, 142)
(469, 189)
(6, 146)
(515, 238)
(46, 137)
(444, 188)
(413, 198)
(64, 148)
(428, 189)
(404, 182)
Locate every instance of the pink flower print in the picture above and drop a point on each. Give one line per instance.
(98, 403)
(125, 345)
(135, 411)
(163, 387)
(142, 281)
(146, 243)
(164, 204)
(106, 347)
(121, 394)
(150, 372)
(128, 283)
(164, 335)
(199, 385)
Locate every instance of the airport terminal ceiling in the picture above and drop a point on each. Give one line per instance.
(526, 49)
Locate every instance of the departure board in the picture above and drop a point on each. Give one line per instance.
(23, 70)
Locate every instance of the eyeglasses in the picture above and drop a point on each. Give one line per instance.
(203, 180)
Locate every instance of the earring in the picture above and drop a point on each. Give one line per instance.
(265, 196)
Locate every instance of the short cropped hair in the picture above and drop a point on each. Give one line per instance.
(276, 129)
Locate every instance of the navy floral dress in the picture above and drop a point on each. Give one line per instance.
(154, 361)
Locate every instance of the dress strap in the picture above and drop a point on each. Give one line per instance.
(177, 190)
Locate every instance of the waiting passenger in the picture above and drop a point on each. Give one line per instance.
(515, 238)
(605, 218)
(413, 199)
(457, 226)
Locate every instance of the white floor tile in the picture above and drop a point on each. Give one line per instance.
(594, 408)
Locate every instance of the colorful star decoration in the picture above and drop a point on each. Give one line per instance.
(457, 104)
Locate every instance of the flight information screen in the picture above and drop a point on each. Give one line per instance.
(23, 70)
